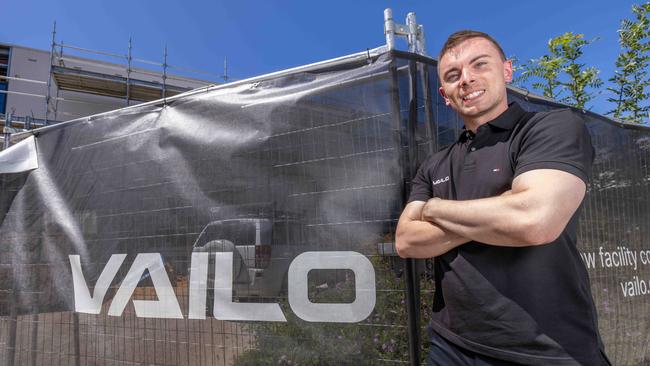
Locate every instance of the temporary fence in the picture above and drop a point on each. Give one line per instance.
(252, 224)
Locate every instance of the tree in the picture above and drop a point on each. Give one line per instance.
(562, 76)
(519, 77)
(630, 80)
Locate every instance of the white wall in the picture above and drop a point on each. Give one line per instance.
(28, 64)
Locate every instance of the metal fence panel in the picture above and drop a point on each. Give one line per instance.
(253, 224)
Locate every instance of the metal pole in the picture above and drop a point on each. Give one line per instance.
(412, 298)
(13, 322)
(431, 124)
(6, 142)
(420, 41)
(412, 24)
(225, 69)
(13, 327)
(56, 96)
(389, 29)
(34, 338)
(77, 343)
(129, 57)
(413, 32)
(49, 79)
(411, 268)
(164, 76)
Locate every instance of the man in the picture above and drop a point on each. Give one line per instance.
(498, 210)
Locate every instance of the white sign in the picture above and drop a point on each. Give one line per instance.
(223, 307)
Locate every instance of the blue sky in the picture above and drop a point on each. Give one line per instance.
(258, 37)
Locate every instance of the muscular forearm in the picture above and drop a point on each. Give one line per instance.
(535, 211)
(416, 238)
(507, 220)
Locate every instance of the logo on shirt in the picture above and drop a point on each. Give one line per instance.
(441, 180)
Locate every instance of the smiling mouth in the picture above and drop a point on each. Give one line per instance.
(473, 95)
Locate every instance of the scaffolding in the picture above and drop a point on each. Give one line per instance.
(120, 76)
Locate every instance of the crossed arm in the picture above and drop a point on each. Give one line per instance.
(534, 212)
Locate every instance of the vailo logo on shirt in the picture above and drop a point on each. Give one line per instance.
(441, 180)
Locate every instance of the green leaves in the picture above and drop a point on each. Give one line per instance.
(630, 80)
(560, 75)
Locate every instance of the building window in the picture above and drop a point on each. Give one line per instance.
(3, 97)
(4, 71)
(4, 62)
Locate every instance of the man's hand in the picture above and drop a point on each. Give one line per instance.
(415, 238)
(534, 212)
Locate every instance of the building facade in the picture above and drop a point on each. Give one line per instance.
(39, 87)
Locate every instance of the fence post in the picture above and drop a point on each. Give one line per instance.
(6, 135)
(77, 345)
(405, 138)
(13, 321)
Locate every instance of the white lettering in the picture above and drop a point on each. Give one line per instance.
(441, 180)
(635, 287)
(619, 257)
(364, 284)
(226, 309)
(83, 302)
(168, 307)
(165, 307)
(589, 259)
(645, 256)
(198, 285)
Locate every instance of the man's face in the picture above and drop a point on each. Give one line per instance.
(473, 81)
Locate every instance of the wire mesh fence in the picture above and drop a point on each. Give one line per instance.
(181, 233)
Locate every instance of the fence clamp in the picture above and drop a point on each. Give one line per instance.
(413, 32)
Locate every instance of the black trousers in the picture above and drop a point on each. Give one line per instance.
(445, 353)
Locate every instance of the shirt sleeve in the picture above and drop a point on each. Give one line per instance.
(558, 140)
(421, 189)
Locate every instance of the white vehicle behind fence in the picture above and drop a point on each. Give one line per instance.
(262, 251)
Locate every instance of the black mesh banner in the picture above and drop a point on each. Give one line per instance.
(252, 224)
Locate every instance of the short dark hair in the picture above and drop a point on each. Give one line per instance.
(463, 35)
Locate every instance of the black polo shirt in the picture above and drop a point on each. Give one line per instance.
(530, 305)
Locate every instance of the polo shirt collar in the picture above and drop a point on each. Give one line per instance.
(505, 121)
(508, 119)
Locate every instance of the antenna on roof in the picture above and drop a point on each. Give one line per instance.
(413, 32)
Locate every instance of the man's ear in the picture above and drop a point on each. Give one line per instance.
(507, 71)
(442, 93)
